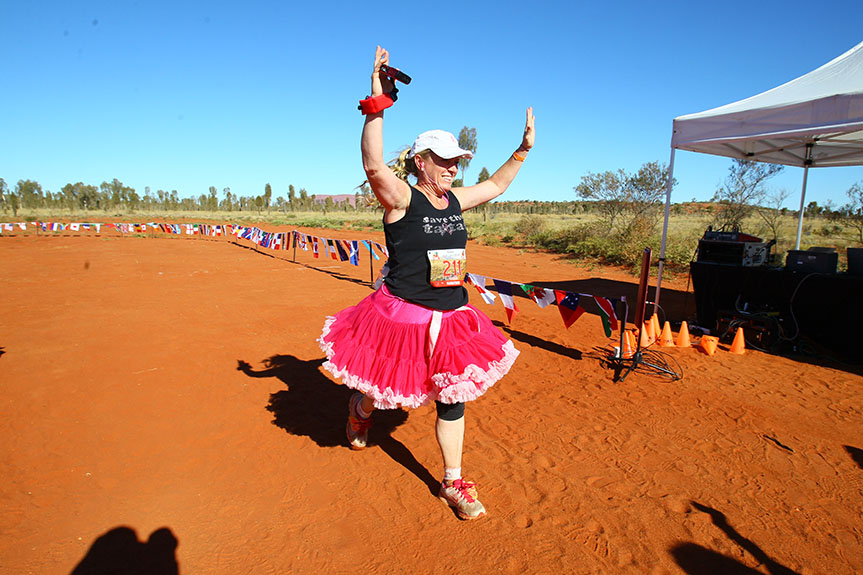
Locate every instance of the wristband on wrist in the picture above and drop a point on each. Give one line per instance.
(375, 104)
(519, 158)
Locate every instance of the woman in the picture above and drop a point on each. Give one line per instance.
(416, 339)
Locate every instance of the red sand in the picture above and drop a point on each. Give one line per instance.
(123, 407)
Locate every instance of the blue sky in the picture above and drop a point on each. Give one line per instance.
(187, 95)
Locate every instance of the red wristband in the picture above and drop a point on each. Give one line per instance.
(374, 104)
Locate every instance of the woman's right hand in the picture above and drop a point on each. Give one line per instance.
(380, 82)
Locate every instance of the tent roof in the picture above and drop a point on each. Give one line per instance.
(823, 107)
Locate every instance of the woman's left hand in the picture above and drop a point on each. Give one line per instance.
(527, 139)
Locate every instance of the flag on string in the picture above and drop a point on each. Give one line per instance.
(478, 282)
(279, 241)
(331, 249)
(343, 253)
(568, 306)
(606, 313)
(355, 252)
(301, 241)
(74, 227)
(315, 247)
(383, 249)
(368, 246)
(504, 290)
(541, 296)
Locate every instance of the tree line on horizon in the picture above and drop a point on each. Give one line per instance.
(628, 205)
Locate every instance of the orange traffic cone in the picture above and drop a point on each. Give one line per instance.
(708, 344)
(665, 338)
(644, 338)
(683, 336)
(738, 346)
(651, 333)
(628, 344)
(656, 329)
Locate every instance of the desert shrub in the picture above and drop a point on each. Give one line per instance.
(530, 225)
(561, 240)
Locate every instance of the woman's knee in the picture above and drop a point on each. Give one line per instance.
(449, 411)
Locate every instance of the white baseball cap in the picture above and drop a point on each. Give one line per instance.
(441, 143)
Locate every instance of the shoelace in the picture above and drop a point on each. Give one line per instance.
(466, 489)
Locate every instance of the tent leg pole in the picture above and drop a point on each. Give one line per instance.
(668, 187)
(807, 162)
(802, 200)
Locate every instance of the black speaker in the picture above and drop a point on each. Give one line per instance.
(812, 261)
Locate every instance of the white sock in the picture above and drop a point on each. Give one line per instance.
(451, 473)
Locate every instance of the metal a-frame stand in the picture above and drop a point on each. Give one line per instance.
(647, 359)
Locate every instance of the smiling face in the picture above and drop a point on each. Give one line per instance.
(436, 172)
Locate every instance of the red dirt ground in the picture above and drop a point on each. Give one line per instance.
(130, 438)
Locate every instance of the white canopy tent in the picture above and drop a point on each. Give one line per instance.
(813, 121)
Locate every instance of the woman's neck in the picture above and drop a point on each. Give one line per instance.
(435, 194)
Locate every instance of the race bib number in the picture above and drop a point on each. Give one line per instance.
(447, 267)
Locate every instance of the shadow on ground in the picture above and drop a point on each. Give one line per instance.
(118, 552)
(697, 560)
(314, 406)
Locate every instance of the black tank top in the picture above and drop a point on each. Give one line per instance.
(424, 228)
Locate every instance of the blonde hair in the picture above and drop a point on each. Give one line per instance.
(403, 166)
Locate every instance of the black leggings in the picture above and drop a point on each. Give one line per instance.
(450, 411)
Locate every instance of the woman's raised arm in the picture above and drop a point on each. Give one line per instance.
(478, 194)
(390, 191)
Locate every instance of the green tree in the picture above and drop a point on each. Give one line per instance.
(30, 193)
(466, 141)
(80, 196)
(228, 202)
(771, 211)
(744, 188)
(608, 190)
(4, 195)
(852, 212)
(268, 195)
(483, 175)
(213, 199)
(292, 197)
(116, 193)
(813, 210)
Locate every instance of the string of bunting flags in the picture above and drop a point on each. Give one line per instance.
(569, 304)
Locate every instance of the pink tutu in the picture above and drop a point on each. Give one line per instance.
(403, 354)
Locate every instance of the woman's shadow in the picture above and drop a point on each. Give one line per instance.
(313, 406)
